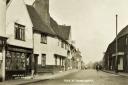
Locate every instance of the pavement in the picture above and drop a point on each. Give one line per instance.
(119, 73)
(37, 78)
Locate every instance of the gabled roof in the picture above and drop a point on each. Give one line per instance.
(38, 23)
(123, 32)
(61, 30)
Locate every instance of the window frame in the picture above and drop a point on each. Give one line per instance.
(19, 31)
(43, 38)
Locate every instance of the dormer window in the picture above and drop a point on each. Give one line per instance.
(44, 38)
(19, 32)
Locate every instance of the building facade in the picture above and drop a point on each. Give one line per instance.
(19, 47)
(119, 63)
(30, 39)
(51, 45)
(76, 58)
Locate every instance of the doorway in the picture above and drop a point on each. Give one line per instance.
(120, 63)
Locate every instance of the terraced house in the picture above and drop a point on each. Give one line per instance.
(51, 45)
(31, 40)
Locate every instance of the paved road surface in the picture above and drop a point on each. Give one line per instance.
(86, 77)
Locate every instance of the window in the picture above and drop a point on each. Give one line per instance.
(58, 42)
(126, 40)
(43, 60)
(62, 44)
(19, 32)
(44, 38)
(15, 61)
(66, 46)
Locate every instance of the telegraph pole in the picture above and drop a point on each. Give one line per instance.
(116, 62)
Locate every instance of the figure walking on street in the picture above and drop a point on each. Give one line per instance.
(97, 67)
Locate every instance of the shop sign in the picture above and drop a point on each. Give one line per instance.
(19, 49)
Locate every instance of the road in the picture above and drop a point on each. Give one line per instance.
(86, 77)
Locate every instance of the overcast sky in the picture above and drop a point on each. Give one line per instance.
(92, 22)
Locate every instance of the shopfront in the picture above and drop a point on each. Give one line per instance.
(119, 60)
(18, 61)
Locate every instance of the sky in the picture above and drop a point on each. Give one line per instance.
(93, 23)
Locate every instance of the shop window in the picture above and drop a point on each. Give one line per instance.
(15, 61)
(44, 38)
(19, 32)
(43, 60)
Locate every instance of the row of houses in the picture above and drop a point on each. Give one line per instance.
(117, 61)
(31, 41)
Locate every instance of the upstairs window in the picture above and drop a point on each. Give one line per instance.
(62, 44)
(58, 42)
(44, 38)
(66, 46)
(19, 32)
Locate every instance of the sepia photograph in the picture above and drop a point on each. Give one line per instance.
(63, 42)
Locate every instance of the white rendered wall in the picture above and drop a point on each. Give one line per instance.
(2, 17)
(49, 49)
(17, 12)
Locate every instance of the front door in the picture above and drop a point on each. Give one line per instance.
(35, 62)
(120, 63)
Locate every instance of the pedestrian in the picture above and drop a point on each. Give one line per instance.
(97, 67)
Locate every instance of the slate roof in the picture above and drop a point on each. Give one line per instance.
(37, 22)
(62, 31)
